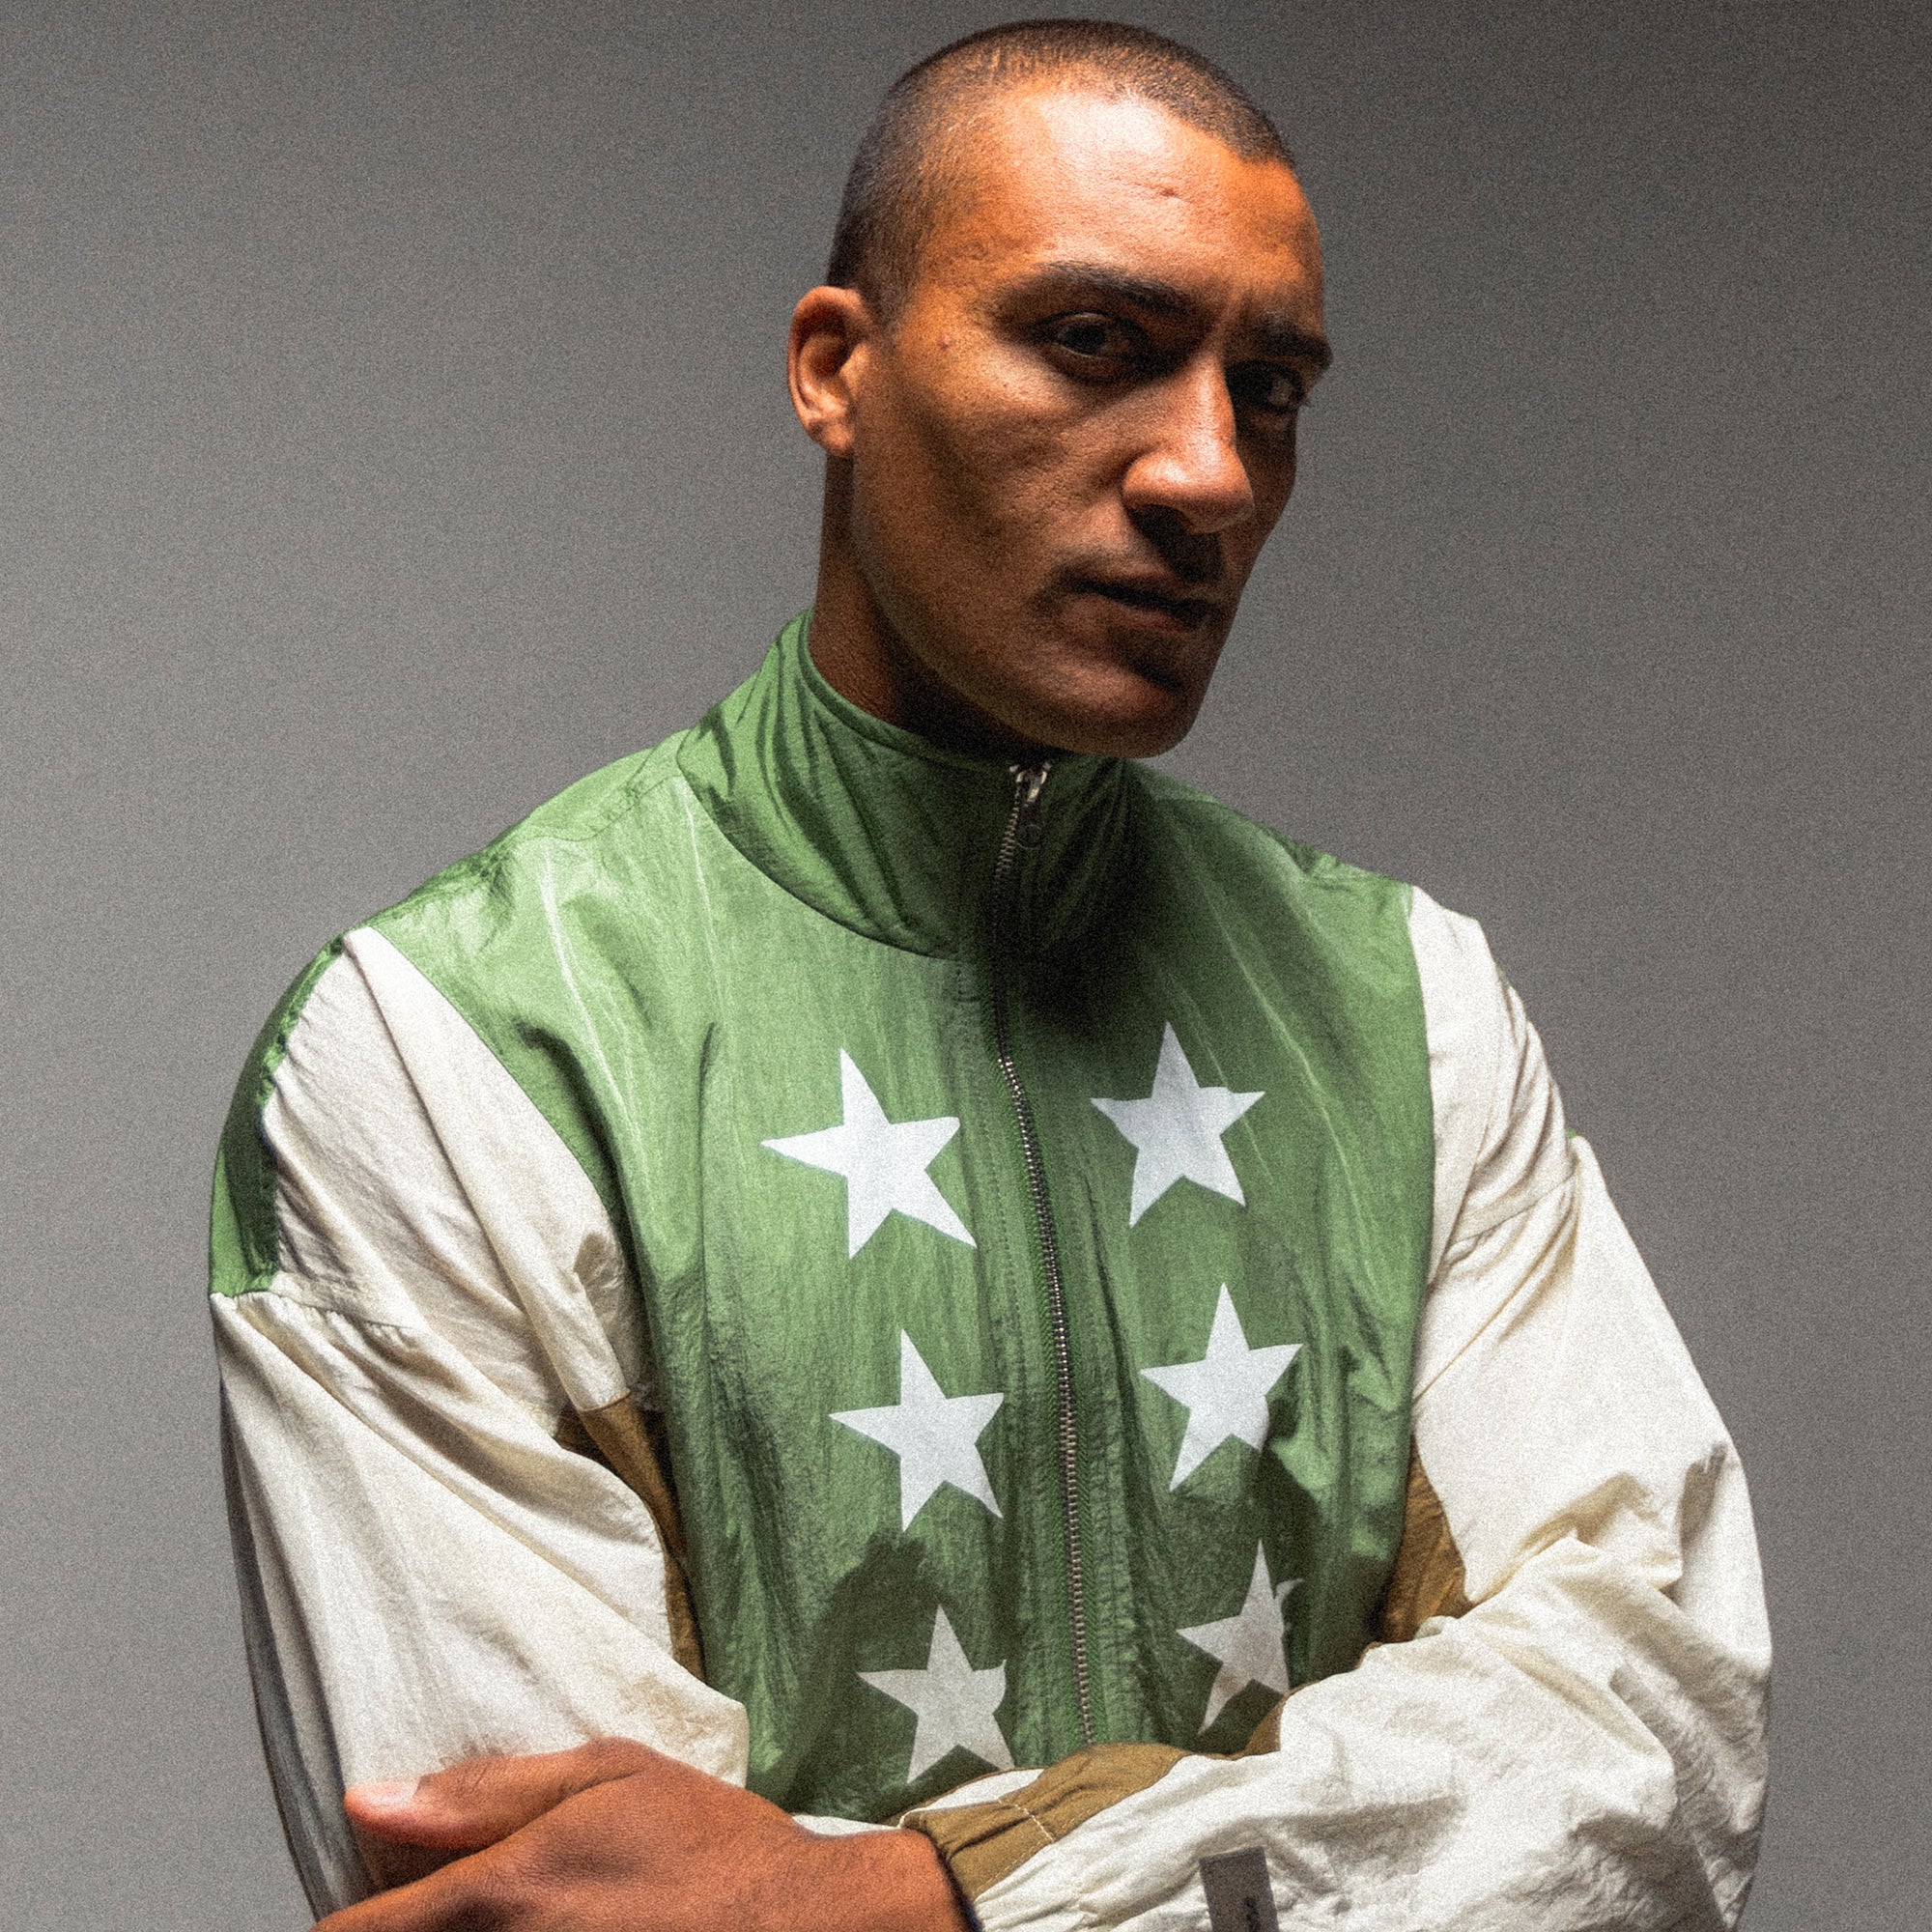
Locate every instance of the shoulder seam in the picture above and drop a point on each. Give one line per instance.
(610, 1201)
(272, 1289)
(250, 1101)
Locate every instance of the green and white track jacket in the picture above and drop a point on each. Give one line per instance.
(1014, 1301)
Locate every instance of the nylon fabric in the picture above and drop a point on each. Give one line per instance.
(1429, 1580)
(702, 962)
(244, 1247)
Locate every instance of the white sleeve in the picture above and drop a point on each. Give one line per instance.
(427, 1572)
(1582, 1746)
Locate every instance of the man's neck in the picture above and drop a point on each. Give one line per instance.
(864, 659)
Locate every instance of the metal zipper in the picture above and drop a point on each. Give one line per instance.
(1028, 782)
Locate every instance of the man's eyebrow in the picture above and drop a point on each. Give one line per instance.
(1279, 337)
(1282, 337)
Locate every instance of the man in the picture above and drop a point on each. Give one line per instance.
(880, 1252)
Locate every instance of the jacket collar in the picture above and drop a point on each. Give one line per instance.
(891, 835)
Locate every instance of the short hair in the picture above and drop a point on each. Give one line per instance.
(910, 154)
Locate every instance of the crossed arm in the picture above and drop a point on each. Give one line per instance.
(431, 1577)
(614, 1836)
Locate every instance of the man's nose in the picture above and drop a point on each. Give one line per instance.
(1191, 468)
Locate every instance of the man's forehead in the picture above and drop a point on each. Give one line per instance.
(1061, 178)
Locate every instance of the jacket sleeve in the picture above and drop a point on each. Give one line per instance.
(451, 1526)
(1572, 1734)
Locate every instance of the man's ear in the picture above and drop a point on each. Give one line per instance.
(826, 353)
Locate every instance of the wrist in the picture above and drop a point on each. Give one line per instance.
(896, 1882)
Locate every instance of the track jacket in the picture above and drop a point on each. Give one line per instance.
(1011, 1300)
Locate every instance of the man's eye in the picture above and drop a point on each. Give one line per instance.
(1091, 337)
(1275, 390)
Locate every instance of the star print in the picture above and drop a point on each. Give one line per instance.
(1249, 1645)
(1177, 1131)
(1226, 1391)
(954, 1703)
(884, 1164)
(933, 1435)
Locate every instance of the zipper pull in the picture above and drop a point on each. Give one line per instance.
(1029, 782)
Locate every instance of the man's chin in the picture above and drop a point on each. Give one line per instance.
(1139, 741)
(1125, 715)
(1107, 691)
(1140, 698)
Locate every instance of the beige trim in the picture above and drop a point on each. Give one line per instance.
(984, 1843)
(630, 1442)
(1429, 1580)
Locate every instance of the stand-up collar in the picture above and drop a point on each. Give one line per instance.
(889, 834)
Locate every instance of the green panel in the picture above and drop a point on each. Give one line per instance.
(672, 957)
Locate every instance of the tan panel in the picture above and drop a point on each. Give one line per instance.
(626, 1440)
(1267, 1735)
(1429, 1580)
(983, 1843)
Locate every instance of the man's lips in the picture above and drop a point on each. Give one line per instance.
(1157, 599)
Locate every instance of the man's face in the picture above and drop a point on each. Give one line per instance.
(1069, 448)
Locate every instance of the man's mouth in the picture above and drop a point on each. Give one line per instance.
(1173, 608)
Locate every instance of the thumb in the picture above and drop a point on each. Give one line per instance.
(485, 1798)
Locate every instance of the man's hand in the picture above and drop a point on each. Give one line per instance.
(616, 1837)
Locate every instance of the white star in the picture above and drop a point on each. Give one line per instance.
(954, 1703)
(1249, 1645)
(1177, 1131)
(884, 1164)
(1226, 1391)
(933, 1435)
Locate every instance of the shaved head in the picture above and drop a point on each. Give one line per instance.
(1053, 459)
(919, 149)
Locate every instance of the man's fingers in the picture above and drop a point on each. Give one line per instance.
(485, 1798)
(480, 1889)
(419, 1907)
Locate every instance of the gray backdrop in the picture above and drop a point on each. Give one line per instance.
(395, 430)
